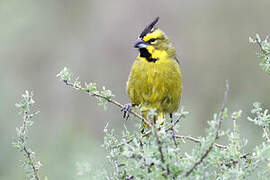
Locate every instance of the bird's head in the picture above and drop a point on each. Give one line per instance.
(153, 44)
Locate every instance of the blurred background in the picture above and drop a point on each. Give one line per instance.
(95, 39)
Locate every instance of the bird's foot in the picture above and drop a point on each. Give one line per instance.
(171, 117)
(126, 110)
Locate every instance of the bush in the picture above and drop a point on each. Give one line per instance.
(158, 153)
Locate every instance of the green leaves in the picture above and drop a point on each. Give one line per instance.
(264, 53)
(106, 96)
(236, 114)
(103, 96)
(65, 74)
(30, 164)
(91, 88)
(261, 117)
(132, 155)
(83, 169)
(27, 101)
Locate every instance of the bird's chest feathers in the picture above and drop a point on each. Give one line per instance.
(153, 76)
(151, 72)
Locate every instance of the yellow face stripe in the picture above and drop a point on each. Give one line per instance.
(157, 54)
(156, 34)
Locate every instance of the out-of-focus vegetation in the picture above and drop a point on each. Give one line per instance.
(96, 39)
(264, 53)
(30, 164)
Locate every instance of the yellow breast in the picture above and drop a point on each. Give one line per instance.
(155, 84)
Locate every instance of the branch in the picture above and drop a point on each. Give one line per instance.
(74, 86)
(171, 128)
(190, 138)
(167, 129)
(266, 134)
(196, 140)
(235, 133)
(25, 149)
(30, 164)
(159, 144)
(260, 44)
(264, 54)
(220, 119)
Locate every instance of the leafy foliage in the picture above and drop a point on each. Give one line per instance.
(158, 153)
(262, 119)
(137, 157)
(102, 96)
(30, 164)
(264, 53)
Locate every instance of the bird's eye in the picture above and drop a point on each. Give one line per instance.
(152, 40)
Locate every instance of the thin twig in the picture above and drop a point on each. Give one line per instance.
(159, 144)
(171, 128)
(233, 162)
(190, 138)
(168, 128)
(174, 123)
(174, 137)
(103, 97)
(234, 126)
(235, 133)
(198, 141)
(259, 43)
(234, 141)
(25, 149)
(220, 119)
(265, 131)
(28, 154)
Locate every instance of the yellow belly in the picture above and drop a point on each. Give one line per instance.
(155, 85)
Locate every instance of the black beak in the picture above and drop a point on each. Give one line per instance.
(140, 44)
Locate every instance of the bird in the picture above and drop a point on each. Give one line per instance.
(155, 80)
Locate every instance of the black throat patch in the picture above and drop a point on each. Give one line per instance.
(144, 53)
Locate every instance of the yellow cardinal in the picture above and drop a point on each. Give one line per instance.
(155, 80)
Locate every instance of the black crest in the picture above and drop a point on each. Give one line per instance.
(149, 28)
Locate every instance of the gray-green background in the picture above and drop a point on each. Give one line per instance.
(95, 39)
